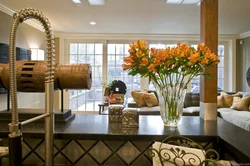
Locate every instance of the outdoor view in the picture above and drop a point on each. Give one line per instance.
(195, 83)
(92, 53)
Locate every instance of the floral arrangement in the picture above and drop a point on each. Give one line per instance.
(170, 70)
(163, 66)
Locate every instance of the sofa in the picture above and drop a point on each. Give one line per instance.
(191, 107)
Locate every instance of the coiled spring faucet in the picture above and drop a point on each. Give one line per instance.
(15, 136)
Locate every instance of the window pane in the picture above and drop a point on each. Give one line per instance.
(73, 48)
(171, 45)
(73, 59)
(119, 49)
(111, 71)
(111, 60)
(114, 67)
(97, 82)
(98, 94)
(81, 58)
(119, 60)
(90, 95)
(119, 72)
(111, 48)
(90, 48)
(221, 64)
(220, 73)
(126, 53)
(98, 60)
(90, 59)
(221, 84)
(98, 48)
(82, 48)
(84, 100)
(220, 50)
(89, 105)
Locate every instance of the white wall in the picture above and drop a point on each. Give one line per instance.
(25, 100)
(27, 37)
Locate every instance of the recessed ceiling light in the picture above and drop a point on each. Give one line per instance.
(77, 1)
(92, 23)
(183, 1)
(96, 2)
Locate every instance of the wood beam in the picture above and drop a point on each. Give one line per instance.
(209, 36)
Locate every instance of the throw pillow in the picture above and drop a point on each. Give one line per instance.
(228, 99)
(150, 99)
(220, 101)
(241, 104)
(139, 97)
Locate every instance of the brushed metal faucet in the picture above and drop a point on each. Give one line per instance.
(15, 136)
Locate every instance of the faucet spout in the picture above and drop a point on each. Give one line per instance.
(14, 126)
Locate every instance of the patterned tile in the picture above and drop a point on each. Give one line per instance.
(90, 152)
(86, 143)
(32, 159)
(142, 161)
(100, 152)
(33, 142)
(26, 149)
(141, 145)
(87, 160)
(114, 160)
(60, 159)
(41, 150)
(128, 152)
(73, 151)
(60, 142)
(114, 145)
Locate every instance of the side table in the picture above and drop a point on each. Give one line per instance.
(101, 107)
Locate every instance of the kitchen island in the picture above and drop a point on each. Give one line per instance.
(91, 140)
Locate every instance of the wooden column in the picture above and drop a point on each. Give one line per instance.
(209, 36)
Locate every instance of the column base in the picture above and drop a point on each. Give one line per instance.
(208, 111)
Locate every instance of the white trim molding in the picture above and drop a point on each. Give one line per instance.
(131, 36)
(245, 35)
(10, 12)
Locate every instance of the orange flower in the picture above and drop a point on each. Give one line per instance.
(139, 53)
(213, 57)
(157, 61)
(153, 52)
(130, 50)
(168, 64)
(162, 55)
(194, 57)
(128, 60)
(126, 67)
(200, 46)
(152, 68)
(204, 61)
(159, 64)
(142, 43)
(144, 61)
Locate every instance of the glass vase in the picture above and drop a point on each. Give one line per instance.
(171, 100)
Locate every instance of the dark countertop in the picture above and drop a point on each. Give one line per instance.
(96, 127)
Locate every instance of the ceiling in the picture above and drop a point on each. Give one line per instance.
(136, 16)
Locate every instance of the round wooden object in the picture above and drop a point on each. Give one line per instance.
(31, 76)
